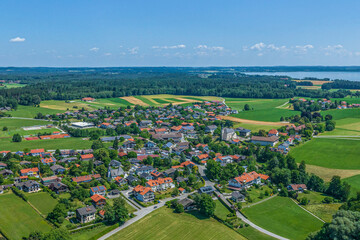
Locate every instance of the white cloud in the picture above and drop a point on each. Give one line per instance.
(17, 39)
(134, 50)
(303, 49)
(214, 48)
(94, 49)
(179, 46)
(107, 54)
(258, 46)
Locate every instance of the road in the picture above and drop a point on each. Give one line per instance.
(140, 214)
(238, 214)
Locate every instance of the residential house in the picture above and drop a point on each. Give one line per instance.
(246, 180)
(58, 187)
(113, 173)
(86, 214)
(120, 181)
(86, 178)
(160, 184)
(101, 190)
(132, 180)
(208, 190)
(243, 132)
(3, 165)
(28, 186)
(236, 196)
(143, 194)
(98, 200)
(297, 187)
(273, 132)
(187, 203)
(57, 169)
(37, 152)
(144, 169)
(30, 172)
(87, 157)
(115, 193)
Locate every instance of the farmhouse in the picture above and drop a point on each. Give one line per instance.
(88, 99)
(264, 141)
(86, 214)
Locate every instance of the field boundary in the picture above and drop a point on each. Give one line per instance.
(307, 210)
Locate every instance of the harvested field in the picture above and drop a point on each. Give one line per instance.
(135, 101)
(240, 120)
(328, 173)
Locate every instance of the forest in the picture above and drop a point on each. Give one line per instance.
(68, 84)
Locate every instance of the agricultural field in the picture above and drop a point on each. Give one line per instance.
(329, 153)
(30, 111)
(18, 218)
(52, 144)
(164, 224)
(315, 205)
(42, 201)
(268, 110)
(165, 99)
(282, 216)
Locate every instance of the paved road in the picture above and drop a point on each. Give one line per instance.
(140, 214)
(238, 214)
(28, 119)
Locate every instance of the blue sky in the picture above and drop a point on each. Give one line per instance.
(179, 33)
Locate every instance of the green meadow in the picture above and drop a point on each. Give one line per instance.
(329, 153)
(18, 219)
(164, 224)
(269, 110)
(282, 216)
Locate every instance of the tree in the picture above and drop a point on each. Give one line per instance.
(5, 128)
(246, 107)
(206, 205)
(116, 144)
(1, 179)
(132, 155)
(16, 138)
(179, 208)
(338, 189)
(120, 210)
(344, 226)
(97, 144)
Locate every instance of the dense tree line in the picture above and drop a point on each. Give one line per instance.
(67, 85)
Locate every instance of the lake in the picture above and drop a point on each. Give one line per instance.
(352, 76)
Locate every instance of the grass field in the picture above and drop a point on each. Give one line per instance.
(329, 153)
(354, 181)
(270, 110)
(255, 127)
(30, 112)
(283, 217)
(221, 211)
(52, 144)
(253, 234)
(346, 127)
(11, 85)
(14, 125)
(164, 224)
(42, 201)
(85, 235)
(18, 219)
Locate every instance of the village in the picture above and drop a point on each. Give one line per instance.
(156, 154)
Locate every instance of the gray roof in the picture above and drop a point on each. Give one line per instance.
(186, 202)
(56, 167)
(86, 210)
(237, 195)
(116, 172)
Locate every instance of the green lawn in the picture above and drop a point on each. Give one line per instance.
(85, 235)
(282, 216)
(253, 234)
(14, 126)
(12, 85)
(51, 144)
(254, 194)
(164, 224)
(221, 211)
(255, 127)
(30, 112)
(262, 109)
(343, 113)
(330, 153)
(18, 218)
(354, 182)
(42, 201)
